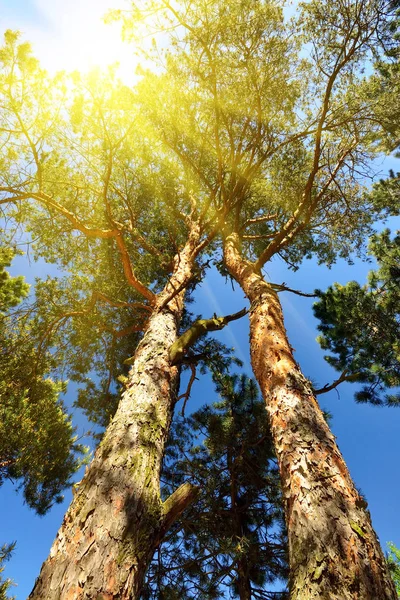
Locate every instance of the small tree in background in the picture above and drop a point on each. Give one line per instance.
(394, 565)
(233, 536)
(360, 326)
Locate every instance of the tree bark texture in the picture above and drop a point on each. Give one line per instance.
(117, 519)
(334, 552)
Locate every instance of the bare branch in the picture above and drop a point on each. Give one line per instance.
(282, 288)
(259, 220)
(343, 377)
(121, 303)
(186, 395)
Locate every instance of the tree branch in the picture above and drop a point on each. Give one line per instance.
(120, 303)
(282, 288)
(128, 269)
(122, 332)
(199, 328)
(93, 233)
(177, 290)
(186, 395)
(259, 220)
(174, 506)
(343, 377)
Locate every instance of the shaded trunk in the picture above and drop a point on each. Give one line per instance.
(241, 566)
(117, 519)
(334, 552)
(243, 579)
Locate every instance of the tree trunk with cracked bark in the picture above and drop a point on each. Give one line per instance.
(117, 518)
(333, 549)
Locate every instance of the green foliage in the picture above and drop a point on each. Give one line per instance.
(385, 86)
(234, 534)
(259, 126)
(12, 289)
(38, 448)
(80, 162)
(272, 118)
(5, 584)
(360, 325)
(386, 194)
(394, 565)
(106, 180)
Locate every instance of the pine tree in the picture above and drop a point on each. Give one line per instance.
(276, 123)
(232, 537)
(241, 136)
(360, 326)
(5, 584)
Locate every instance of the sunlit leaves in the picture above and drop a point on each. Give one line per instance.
(80, 161)
(12, 289)
(241, 97)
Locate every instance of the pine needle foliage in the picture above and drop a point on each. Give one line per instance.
(38, 447)
(233, 538)
(359, 325)
(394, 565)
(5, 584)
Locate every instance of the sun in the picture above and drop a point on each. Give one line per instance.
(73, 36)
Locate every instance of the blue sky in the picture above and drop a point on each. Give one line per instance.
(367, 436)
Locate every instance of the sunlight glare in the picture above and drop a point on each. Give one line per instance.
(74, 36)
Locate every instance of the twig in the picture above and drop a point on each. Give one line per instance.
(283, 288)
(186, 395)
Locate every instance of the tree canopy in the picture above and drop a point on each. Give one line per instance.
(277, 128)
(110, 180)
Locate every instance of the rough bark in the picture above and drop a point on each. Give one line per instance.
(116, 519)
(333, 549)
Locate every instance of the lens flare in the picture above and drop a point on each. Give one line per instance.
(73, 36)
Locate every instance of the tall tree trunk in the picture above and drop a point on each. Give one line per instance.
(334, 552)
(117, 519)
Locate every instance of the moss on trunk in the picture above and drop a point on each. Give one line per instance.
(116, 518)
